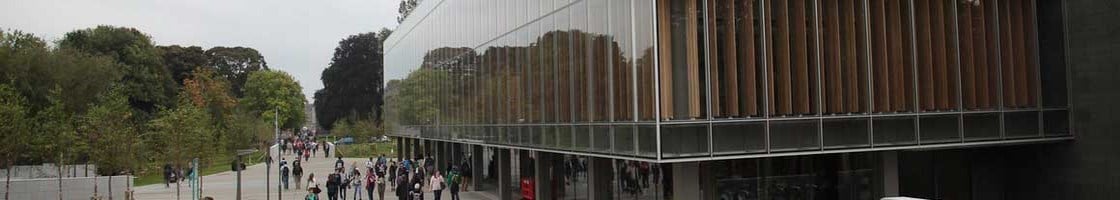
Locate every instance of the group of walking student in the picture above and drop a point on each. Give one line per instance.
(409, 180)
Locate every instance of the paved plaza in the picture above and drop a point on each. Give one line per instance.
(224, 185)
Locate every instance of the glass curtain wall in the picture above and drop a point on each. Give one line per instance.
(722, 77)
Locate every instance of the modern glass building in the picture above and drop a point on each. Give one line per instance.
(730, 99)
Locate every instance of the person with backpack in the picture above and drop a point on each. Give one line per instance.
(402, 186)
(284, 173)
(297, 171)
(453, 182)
(381, 181)
(333, 182)
(416, 193)
(465, 171)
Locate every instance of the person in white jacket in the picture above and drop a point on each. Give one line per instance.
(436, 183)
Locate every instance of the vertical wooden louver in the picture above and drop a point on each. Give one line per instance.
(1017, 52)
(792, 60)
(733, 53)
(891, 59)
(844, 56)
(679, 26)
(936, 55)
(979, 55)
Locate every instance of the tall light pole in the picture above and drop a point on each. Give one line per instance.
(276, 124)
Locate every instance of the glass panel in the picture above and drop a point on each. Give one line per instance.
(583, 137)
(845, 133)
(643, 43)
(598, 60)
(981, 126)
(1056, 122)
(1051, 37)
(647, 140)
(582, 79)
(729, 138)
(601, 138)
(794, 135)
(1021, 124)
(940, 128)
(688, 140)
(681, 39)
(624, 139)
(893, 130)
(620, 55)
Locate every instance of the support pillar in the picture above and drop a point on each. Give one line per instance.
(504, 173)
(889, 173)
(544, 175)
(600, 175)
(476, 159)
(686, 180)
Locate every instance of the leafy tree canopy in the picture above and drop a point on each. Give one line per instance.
(268, 90)
(235, 64)
(181, 61)
(352, 83)
(146, 82)
(34, 70)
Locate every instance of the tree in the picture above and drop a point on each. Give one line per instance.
(406, 8)
(146, 82)
(58, 139)
(15, 132)
(207, 91)
(34, 70)
(268, 90)
(352, 82)
(183, 132)
(182, 61)
(235, 64)
(383, 34)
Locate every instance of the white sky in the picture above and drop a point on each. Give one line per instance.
(296, 36)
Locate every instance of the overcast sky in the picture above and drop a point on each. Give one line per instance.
(296, 36)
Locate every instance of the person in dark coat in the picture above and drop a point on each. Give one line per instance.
(334, 183)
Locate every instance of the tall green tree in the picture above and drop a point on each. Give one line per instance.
(15, 131)
(146, 82)
(182, 61)
(383, 34)
(352, 84)
(268, 90)
(34, 70)
(57, 139)
(183, 133)
(235, 64)
(109, 130)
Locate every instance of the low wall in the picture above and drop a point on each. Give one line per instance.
(49, 170)
(73, 188)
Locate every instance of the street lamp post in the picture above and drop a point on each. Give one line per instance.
(276, 124)
(237, 167)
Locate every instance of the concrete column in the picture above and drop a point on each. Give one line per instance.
(400, 148)
(476, 166)
(504, 175)
(686, 180)
(544, 174)
(890, 173)
(600, 174)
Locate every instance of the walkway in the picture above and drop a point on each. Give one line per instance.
(224, 185)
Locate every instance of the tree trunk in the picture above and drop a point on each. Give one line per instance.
(8, 181)
(59, 164)
(110, 187)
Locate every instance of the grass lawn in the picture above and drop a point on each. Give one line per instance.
(221, 164)
(366, 150)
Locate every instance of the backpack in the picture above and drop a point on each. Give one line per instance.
(453, 178)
